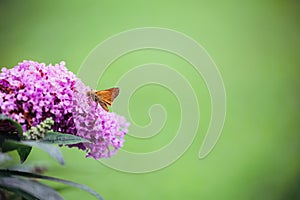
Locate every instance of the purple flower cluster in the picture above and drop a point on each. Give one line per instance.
(92, 122)
(32, 92)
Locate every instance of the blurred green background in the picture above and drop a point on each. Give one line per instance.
(256, 47)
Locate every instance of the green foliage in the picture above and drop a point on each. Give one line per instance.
(22, 149)
(61, 138)
(48, 148)
(31, 189)
(20, 184)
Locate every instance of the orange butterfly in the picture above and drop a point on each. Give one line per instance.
(104, 97)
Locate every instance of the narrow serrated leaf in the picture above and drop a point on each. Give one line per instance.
(29, 189)
(53, 151)
(62, 138)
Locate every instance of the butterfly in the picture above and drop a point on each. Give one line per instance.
(104, 97)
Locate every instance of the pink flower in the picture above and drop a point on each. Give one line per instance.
(31, 92)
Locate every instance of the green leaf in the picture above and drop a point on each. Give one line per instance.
(31, 175)
(24, 153)
(4, 158)
(23, 150)
(48, 148)
(15, 124)
(29, 189)
(62, 138)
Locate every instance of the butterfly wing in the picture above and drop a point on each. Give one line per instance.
(106, 97)
(104, 106)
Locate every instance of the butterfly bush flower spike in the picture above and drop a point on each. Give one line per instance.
(33, 92)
